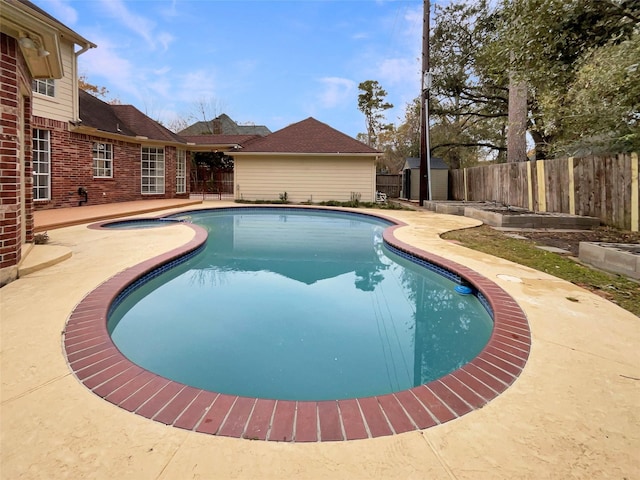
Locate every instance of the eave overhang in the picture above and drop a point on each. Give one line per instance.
(240, 153)
(139, 140)
(40, 36)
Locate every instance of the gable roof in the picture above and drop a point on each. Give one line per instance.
(121, 119)
(21, 19)
(218, 139)
(143, 125)
(223, 125)
(307, 136)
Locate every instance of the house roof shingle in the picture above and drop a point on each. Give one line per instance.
(121, 119)
(307, 136)
(223, 125)
(218, 139)
(437, 163)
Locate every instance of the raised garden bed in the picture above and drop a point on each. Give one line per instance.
(511, 217)
(620, 258)
(496, 215)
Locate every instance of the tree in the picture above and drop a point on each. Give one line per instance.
(517, 127)
(401, 142)
(549, 41)
(96, 91)
(371, 102)
(605, 87)
(469, 92)
(204, 110)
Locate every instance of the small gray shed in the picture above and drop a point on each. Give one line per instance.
(411, 179)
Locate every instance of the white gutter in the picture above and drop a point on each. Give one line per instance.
(76, 100)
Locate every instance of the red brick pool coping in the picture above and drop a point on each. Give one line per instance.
(100, 366)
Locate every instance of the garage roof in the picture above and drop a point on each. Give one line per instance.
(307, 136)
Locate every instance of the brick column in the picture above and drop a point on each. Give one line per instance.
(15, 110)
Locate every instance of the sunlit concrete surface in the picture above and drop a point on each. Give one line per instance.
(574, 412)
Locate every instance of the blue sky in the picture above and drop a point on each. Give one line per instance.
(261, 62)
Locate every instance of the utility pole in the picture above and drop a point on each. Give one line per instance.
(425, 147)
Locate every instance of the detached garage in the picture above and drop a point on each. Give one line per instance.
(309, 161)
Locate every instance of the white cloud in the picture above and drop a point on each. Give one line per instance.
(103, 66)
(138, 24)
(195, 85)
(336, 91)
(165, 39)
(398, 71)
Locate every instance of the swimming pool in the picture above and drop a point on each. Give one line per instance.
(99, 365)
(299, 305)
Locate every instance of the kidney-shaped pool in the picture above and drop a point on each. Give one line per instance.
(299, 305)
(298, 325)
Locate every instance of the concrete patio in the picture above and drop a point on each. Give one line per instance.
(573, 412)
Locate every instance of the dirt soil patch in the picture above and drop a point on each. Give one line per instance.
(571, 240)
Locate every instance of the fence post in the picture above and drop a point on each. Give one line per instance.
(542, 192)
(634, 192)
(572, 186)
(466, 192)
(529, 187)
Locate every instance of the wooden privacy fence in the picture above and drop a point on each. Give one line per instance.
(205, 180)
(389, 184)
(603, 187)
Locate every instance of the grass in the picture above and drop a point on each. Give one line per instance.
(615, 288)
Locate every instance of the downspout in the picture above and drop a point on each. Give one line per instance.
(76, 106)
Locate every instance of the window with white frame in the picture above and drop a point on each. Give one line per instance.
(102, 160)
(41, 160)
(181, 171)
(45, 86)
(152, 178)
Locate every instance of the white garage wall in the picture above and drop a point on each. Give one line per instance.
(307, 178)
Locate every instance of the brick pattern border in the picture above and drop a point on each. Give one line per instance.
(100, 366)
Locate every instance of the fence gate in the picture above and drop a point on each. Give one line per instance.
(389, 184)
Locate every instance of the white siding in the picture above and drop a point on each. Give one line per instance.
(307, 178)
(59, 107)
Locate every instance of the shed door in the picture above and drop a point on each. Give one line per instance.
(406, 183)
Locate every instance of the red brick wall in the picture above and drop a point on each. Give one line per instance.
(72, 167)
(14, 78)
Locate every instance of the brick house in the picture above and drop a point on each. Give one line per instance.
(61, 147)
(36, 50)
(111, 153)
(86, 151)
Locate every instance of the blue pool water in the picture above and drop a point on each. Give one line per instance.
(298, 305)
(137, 223)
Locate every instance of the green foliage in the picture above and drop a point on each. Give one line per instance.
(371, 102)
(469, 102)
(353, 203)
(578, 58)
(401, 142)
(549, 42)
(605, 87)
(214, 160)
